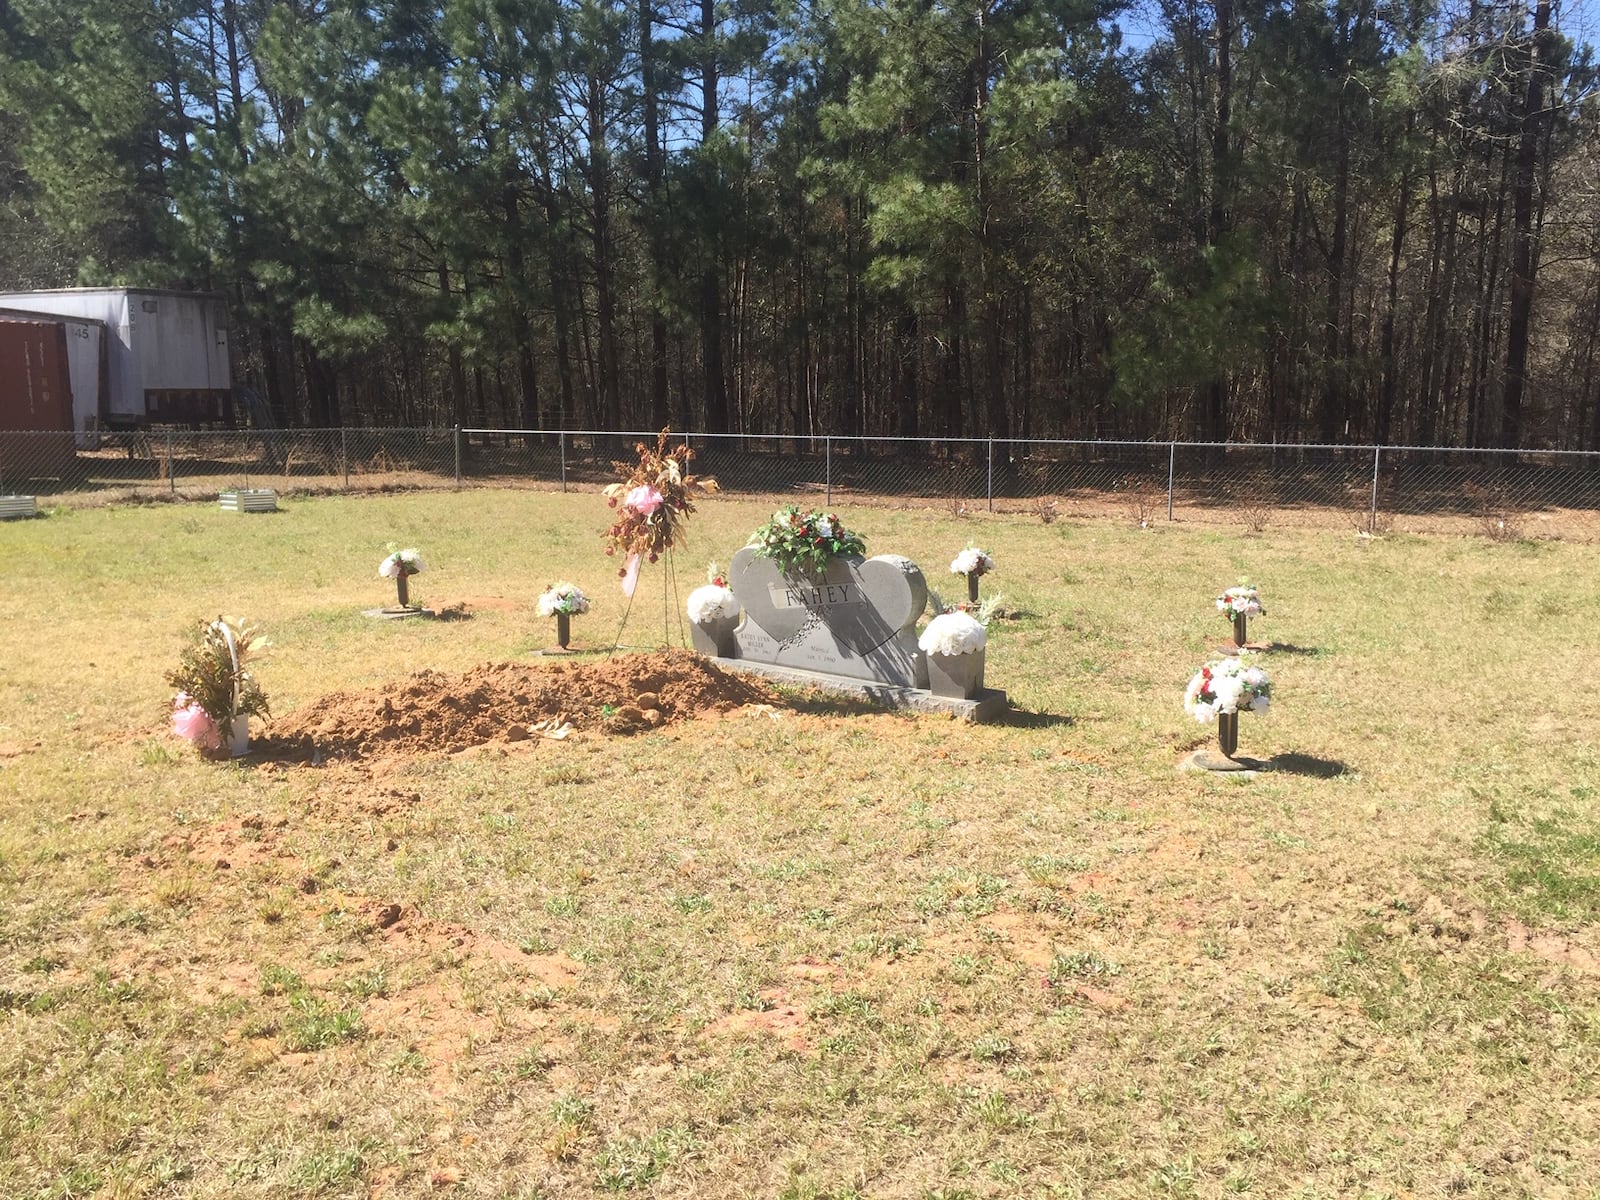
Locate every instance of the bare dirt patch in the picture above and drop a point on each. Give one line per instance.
(436, 712)
(774, 1015)
(1551, 947)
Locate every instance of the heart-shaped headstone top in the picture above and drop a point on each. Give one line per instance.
(862, 602)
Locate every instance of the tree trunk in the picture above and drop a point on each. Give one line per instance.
(716, 385)
(610, 399)
(1385, 423)
(906, 399)
(1522, 254)
(655, 171)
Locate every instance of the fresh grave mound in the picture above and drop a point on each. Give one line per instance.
(434, 711)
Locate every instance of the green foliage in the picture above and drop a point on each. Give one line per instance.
(213, 669)
(804, 542)
(1551, 853)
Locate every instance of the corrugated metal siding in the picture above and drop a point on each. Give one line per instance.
(87, 367)
(34, 395)
(35, 392)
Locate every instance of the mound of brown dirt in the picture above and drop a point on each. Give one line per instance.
(434, 711)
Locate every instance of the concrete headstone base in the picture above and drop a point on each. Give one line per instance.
(1220, 764)
(987, 705)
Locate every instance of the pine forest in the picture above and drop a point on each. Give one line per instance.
(1322, 221)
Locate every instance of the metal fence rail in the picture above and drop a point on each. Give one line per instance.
(1510, 494)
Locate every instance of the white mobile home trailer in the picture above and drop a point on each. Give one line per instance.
(166, 354)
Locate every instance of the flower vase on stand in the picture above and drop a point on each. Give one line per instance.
(1220, 691)
(973, 563)
(1228, 733)
(400, 566)
(1239, 604)
(563, 601)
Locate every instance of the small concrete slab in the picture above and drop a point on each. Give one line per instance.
(398, 614)
(988, 705)
(1215, 763)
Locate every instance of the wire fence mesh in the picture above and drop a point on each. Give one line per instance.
(1500, 494)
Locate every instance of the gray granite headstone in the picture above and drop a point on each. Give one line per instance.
(857, 618)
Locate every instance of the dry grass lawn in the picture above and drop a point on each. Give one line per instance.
(805, 952)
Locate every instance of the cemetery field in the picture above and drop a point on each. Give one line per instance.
(798, 949)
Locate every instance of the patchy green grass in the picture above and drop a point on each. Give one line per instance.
(818, 953)
(1551, 851)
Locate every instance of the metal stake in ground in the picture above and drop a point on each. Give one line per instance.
(668, 594)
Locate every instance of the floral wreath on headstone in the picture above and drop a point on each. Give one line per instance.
(802, 541)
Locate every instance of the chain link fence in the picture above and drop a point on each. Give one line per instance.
(1504, 495)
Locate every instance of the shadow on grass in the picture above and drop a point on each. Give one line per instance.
(1307, 764)
(1291, 648)
(820, 702)
(1018, 718)
(283, 752)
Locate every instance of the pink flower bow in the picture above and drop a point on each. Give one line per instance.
(643, 499)
(193, 722)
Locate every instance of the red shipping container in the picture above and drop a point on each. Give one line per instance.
(35, 395)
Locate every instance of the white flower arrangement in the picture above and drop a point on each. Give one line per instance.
(971, 561)
(559, 598)
(953, 633)
(1226, 686)
(713, 602)
(402, 562)
(1241, 601)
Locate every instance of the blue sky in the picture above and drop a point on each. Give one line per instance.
(1580, 19)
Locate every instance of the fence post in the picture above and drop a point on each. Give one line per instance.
(827, 471)
(563, 438)
(1172, 463)
(458, 456)
(990, 487)
(172, 468)
(344, 458)
(1372, 516)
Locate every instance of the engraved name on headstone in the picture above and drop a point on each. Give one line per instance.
(855, 619)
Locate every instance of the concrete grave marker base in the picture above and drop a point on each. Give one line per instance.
(1234, 650)
(1217, 763)
(988, 705)
(398, 614)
